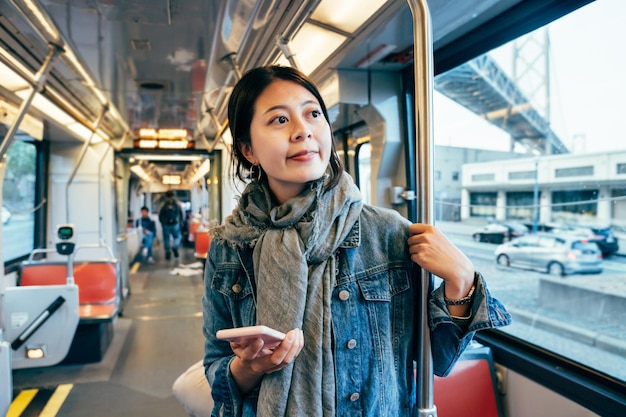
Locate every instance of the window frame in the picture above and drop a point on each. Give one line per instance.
(588, 387)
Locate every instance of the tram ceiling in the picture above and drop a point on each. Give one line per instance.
(168, 63)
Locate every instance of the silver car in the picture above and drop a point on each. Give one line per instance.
(555, 254)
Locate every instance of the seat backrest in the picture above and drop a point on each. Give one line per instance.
(193, 228)
(98, 281)
(470, 390)
(43, 273)
(202, 243)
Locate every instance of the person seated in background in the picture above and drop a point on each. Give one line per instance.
(149, 232)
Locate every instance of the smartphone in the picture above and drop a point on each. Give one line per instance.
(238, 334)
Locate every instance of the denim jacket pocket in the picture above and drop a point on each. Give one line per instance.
(230, 280)
(383, 284)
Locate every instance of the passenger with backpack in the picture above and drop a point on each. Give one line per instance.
(171, 216)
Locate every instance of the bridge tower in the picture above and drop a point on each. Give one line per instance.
(531, 71)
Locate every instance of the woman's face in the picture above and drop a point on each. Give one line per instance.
(290, 138)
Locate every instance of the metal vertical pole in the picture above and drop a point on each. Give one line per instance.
(79, 161)
(101, 238)
(423, 67)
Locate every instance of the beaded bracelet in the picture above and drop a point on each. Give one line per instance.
(461, 301)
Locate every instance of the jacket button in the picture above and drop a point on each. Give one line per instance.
(236, 288)
(351, 344)
(354, 396)
(344, 295)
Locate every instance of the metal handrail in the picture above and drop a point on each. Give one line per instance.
(37, 251)
(41, 22)
(39, 81)
(423, 67)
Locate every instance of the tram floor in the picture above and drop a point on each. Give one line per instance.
(156, 339)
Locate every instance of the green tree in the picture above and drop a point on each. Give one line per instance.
(20, 164)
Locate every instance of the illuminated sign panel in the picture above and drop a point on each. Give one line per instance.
(163, 139)
(163, 144)
(168, 179)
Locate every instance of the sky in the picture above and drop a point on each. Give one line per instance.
(587, 86)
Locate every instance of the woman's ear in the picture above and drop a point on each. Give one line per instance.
(246, 151)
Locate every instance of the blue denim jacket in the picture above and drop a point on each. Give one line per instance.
(373, 320)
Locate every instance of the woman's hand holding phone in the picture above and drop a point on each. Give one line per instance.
(255, 358)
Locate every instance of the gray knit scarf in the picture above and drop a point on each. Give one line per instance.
(294, 246)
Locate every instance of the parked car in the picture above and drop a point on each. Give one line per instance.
(541, 227)
(557, 255)
(603, 236)
(6, 215)
(619, 232)
(606, 240)
(499, 232)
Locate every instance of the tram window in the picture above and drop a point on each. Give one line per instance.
(18, 200)
(567, 175)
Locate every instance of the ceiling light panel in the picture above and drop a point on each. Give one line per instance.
(313, 44)
(47, 108)
(169, 179)
(29, 124)
(11, 80)
(346, 15)
(158, 157)
(85, 134)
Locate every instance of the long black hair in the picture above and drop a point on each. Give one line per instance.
(241, 112)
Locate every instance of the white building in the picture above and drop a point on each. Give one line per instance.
(583, 188)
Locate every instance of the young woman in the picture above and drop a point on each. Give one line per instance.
(304, 255)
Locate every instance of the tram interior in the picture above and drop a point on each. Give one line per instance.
(131, 103)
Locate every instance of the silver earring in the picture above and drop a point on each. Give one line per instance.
(258, 178)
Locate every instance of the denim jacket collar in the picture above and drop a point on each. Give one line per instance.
(353, 239)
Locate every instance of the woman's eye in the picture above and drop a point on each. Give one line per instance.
(315, 113)
(280, 119)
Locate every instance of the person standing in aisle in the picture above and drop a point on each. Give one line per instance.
(171, 217)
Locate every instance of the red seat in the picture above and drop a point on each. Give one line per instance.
(97, 283)
(43, 274)
(95, 312)
(98, 298)
(470, 390)
(203, 240)
(193, 227)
